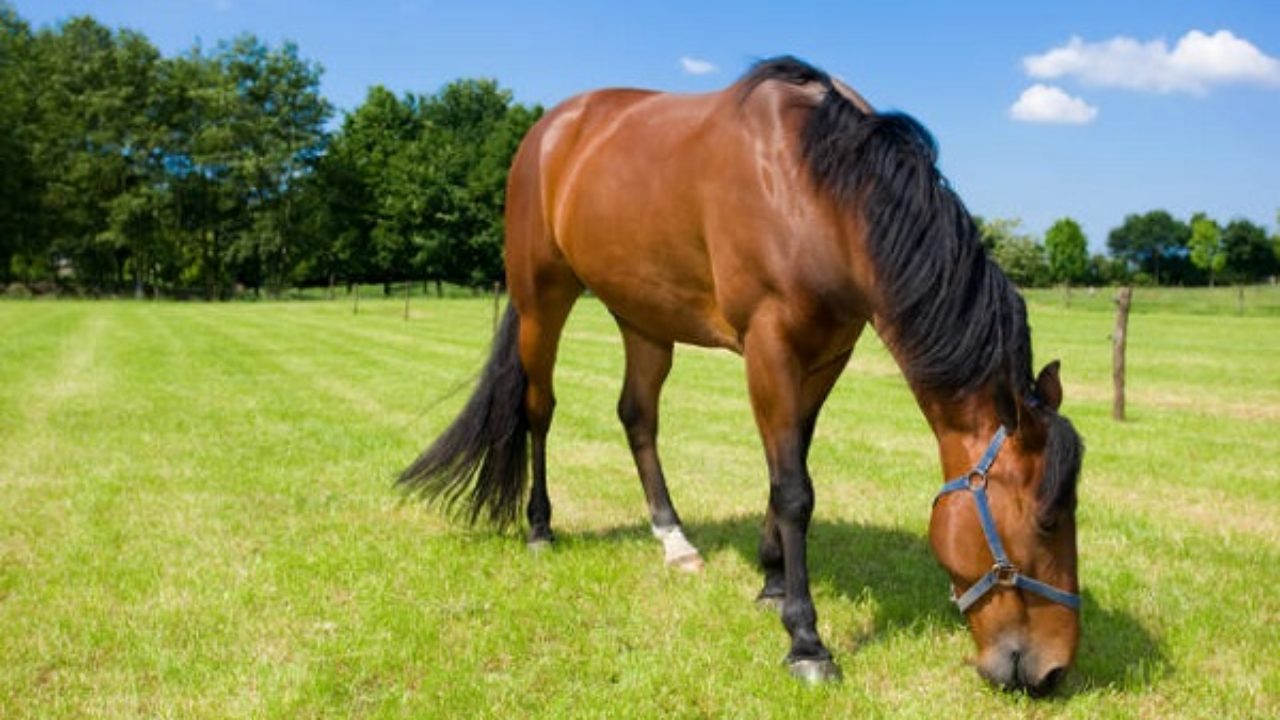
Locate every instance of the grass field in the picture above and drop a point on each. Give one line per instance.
(197, 520)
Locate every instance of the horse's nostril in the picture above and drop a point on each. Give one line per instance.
(1049, 682)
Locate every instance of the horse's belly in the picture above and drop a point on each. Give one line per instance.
(664, 289)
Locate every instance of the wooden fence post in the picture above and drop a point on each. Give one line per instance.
(1118, 338)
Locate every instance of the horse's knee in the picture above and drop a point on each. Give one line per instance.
(792, 498)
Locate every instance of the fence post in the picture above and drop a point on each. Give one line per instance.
(355, 310)
(1118, 339)
(1240, 300)
(407, 283)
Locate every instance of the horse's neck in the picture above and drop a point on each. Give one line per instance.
(962, 424)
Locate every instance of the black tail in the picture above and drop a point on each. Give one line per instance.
(482, 459)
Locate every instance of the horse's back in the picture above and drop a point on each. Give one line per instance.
(670, 208)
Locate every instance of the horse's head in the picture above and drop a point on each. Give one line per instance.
(1022, 609)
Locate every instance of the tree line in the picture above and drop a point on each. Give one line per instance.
(1153, 248)
(213, 172)
(217, 172)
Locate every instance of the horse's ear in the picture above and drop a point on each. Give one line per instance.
(1049, 385)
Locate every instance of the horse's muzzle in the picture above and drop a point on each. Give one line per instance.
(1017, 670)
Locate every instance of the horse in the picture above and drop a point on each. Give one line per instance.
(777, 218)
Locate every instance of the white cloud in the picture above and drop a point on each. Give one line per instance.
(694, 66)
(1195, 64)
(1049, 104)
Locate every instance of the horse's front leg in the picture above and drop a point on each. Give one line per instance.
(787, 391)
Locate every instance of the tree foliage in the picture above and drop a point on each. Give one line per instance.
(1250, 254)
(122, 170)
(217, 171)
(1207, 251)
(1067, 251)
(1154, 242)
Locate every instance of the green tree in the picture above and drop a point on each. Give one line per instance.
(20, 190)
(1022, 259)
(448, 184)
(1067, 250)
(279, 134)
(1155, 242)
(1250, 256)
(1018, 254)
(368, 237)
(995, 231)
(92, 143)
(1207, 251)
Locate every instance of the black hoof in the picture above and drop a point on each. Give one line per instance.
(540, 540)
(815, 672)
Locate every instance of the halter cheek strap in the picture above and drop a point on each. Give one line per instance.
(1003, 573)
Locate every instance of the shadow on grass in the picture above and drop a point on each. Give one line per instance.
(896, 571)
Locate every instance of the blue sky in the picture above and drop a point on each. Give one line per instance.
(1172, 105)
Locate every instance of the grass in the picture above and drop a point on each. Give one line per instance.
(196, 520)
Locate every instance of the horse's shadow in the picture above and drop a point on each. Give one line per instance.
(895, 571)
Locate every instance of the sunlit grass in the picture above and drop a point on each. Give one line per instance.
(196, 520)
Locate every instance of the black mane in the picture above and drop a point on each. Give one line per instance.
(952, 317)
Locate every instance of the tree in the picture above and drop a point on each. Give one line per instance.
(279, 131)
(357, 178)
(994, 231)
(1250, 257)
(1153, 242)
(1207, 251)
(1067, 250)
(1022, 259)
(92, 142)
(1018, 254)
(20, 188)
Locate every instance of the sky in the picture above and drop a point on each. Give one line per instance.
(1042, 109)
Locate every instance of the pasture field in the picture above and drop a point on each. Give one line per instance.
(197, 521)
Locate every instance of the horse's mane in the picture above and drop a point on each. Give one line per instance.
(955, 321)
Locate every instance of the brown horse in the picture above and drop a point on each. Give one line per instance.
(777, 218)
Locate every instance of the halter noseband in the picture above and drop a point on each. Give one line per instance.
(1003, 573)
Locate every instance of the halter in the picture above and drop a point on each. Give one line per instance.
(1003, 573)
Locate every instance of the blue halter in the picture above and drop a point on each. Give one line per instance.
(1003, 573)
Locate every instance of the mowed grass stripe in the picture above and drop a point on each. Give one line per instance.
(208, 532)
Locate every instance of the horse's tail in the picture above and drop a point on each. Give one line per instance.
(481, 460)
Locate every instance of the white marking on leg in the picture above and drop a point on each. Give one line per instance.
(677, 549)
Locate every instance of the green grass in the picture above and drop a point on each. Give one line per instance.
(1246, 300)
(196, 520)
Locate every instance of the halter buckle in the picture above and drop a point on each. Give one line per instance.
(977, 479)
(1006, 575)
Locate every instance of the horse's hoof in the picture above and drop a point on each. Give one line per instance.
(540, 546)
(815, 672)
(770, 602)
(691, 563)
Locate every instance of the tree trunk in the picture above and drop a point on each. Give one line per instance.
(1240, 300)
(439, 288)
(407, 285)
(355, 309)
(1118, 341)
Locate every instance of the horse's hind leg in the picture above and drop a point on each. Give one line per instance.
(648, 362)
(542, 317)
